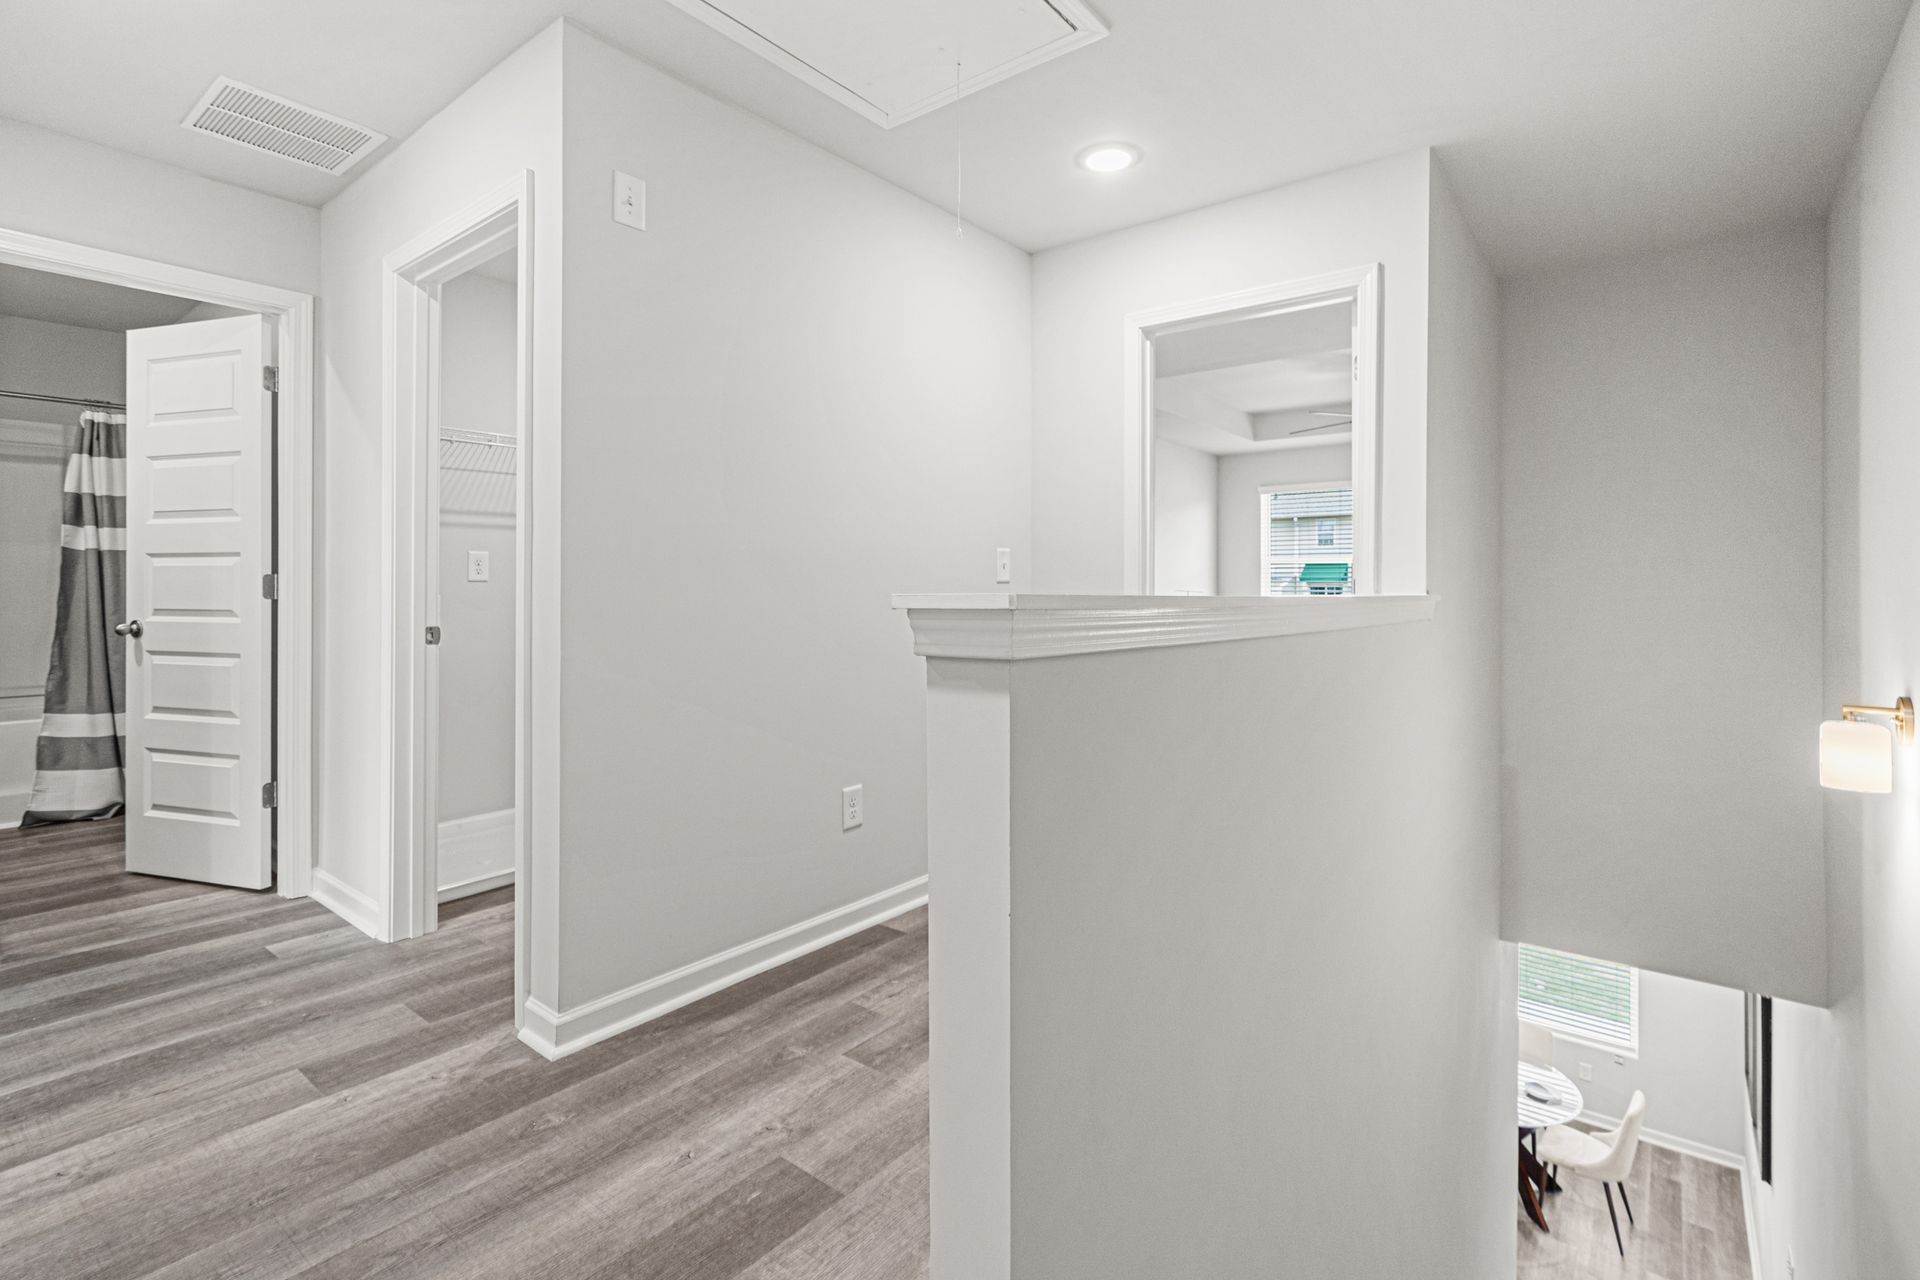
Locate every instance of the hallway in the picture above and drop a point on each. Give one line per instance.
(200, 1083)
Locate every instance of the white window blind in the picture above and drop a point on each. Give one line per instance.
(1589, 999)
(1308, 542)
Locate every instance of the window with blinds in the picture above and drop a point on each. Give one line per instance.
(1588, 999)
(1307, 547)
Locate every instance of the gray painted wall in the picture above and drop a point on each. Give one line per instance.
(1230, 861)
(1845, 1107)
(779, 411)
(1662, 553)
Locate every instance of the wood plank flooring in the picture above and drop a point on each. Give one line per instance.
(208, 1084)
(1691, 1226)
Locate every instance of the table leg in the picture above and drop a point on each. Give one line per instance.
(1532, 1175)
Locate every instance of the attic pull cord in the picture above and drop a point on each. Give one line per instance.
(959, 148)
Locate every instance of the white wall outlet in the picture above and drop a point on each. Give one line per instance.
(1586, 1072)
(629, 201)
(1003, 565)
(479, 566)
(853, 807)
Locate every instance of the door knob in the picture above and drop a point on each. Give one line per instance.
(132, 628)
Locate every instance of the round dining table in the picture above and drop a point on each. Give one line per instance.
(1545, 1097)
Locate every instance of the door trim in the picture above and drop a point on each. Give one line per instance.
(1138, 330)
(412, 276)
(292, 315)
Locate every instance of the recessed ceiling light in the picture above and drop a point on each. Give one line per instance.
(1108, 157)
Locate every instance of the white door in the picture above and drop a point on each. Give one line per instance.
(199, 666)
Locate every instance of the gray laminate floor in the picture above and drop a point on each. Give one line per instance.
(1691, 1226)
(207, 1084)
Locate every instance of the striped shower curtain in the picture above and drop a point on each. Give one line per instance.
(79, 769)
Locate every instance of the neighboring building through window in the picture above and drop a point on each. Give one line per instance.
(1306, 544)
(1591, 1000)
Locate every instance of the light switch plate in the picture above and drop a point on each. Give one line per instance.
(1003, 565)
(629, 201)
(479, 566)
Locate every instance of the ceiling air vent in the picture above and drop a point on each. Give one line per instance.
(262, 121)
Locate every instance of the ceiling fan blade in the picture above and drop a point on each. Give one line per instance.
(1325, 426)
(1329, 413)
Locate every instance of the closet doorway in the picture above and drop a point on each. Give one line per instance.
(157, 531)
(458, 425)
(472, 585)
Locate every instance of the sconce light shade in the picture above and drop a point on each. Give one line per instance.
(1855, 756)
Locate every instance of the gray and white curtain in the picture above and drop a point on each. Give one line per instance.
(79, 768)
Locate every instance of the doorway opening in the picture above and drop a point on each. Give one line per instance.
(472, 587)
(1253, 428)
(458, 425)
(154, 654)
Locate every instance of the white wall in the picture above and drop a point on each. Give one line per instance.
(1690, 1065)
(1083, 292)
(1661, 510)
(1186, 520)
(478, 333)
(71, 190)
(477, 337)
(780, 410)
(1205, 902)
(1845, 1108)
(53, 359)
(507, 123)
(1241, 476)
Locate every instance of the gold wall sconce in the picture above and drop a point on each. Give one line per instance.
(1858, 756)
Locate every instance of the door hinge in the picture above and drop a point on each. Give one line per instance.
(269, 795)
(269, 586)
(270, 377)
(433, 635)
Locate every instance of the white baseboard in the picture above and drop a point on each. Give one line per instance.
(347, 902)
(467, 888)
(474, 854)
(557, 1034)
(1671, 1141)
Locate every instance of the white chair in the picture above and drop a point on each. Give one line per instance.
(1605, 1158)
(1536, 1044)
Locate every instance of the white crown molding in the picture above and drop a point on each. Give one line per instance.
(1012, 628)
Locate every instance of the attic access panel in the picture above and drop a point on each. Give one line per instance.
(893, 60)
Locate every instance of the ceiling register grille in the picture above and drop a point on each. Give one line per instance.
(262, 121)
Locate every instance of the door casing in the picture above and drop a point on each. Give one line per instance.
(291, 313)
(412, 276)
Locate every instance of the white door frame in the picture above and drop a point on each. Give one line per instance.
(292, 317)
(1361, 285)
(412, 276)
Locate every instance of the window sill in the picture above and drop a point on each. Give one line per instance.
(1013, 628)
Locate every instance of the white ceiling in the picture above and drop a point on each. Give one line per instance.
(1253, 385)
(1301, 332)
(89, 304)
(1570, 130)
